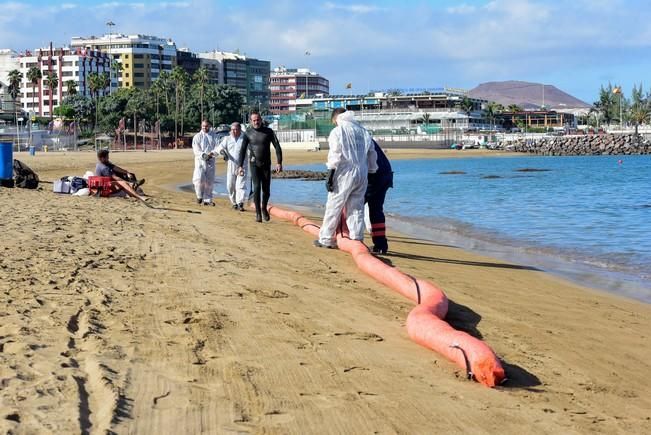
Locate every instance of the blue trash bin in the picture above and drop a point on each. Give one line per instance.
(6, 161)
(32, 151)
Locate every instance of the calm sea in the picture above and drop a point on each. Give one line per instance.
(584, 218)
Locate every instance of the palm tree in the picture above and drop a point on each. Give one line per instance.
(513, 108)
(15, 78)
(94, 86)
(103, 81)
(71, 87)
(640, 114)
(51, 81)
(201, 79)
(466, 105)
(492, 110)
(116, 67)
(179, 77)
(33, 76)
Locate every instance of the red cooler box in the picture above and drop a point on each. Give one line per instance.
(101, 184)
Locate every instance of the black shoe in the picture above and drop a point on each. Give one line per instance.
(209, 203)
(378, 250)
(258, 217)
(199, 201)
(138, 183)
(265, 215)
(240, 206)
(321, 245)
(234, 206)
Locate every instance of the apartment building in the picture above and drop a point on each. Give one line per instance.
(8, 62)
(141, 57)
(66, 64)
(290, 84)
(249, 75)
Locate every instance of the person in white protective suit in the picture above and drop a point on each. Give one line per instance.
(204, 146)
(350, 159)
(236, 181)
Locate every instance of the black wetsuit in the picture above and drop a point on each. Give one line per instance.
(258, 141)
(378, 184)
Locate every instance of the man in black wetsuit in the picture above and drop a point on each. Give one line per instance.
(378, 184)
(257, 139)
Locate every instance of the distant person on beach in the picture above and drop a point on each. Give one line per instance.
(204, 146)
(123, 180)
(350, 159)
(236, 182)
(257, 141)
(376, 191)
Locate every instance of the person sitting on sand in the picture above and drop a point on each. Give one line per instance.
(121, 177)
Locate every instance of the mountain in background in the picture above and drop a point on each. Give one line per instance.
(526, 95)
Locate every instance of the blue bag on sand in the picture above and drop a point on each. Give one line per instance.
(77, 183)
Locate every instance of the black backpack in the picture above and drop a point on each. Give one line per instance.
(24, 176)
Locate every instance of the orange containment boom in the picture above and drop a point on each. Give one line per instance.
(425, 324)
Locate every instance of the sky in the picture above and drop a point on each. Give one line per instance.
(574, 45)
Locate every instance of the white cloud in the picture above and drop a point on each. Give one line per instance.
(354, 8)
(461, 9)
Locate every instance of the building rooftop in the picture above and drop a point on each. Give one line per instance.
(216, 54)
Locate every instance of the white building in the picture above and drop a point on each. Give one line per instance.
(8, 62)
(66, 64)
(142, 57)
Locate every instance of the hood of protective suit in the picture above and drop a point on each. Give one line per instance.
(347, 116)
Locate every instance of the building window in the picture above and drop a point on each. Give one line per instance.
(138, 56)
(138, 74)
(138, 65)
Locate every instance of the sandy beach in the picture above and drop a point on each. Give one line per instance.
(115, 317)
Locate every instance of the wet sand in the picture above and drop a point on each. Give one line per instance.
(117, 317)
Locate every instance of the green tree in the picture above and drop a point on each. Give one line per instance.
(513, 108)
(138, 106)
(201, 80)
(113, 107)
(492, 110)
(466, 105)
(640, 107)
(51, 81)
(71, 87)
(15, 78)
(97, 83)
(33, 76)
(180, 79)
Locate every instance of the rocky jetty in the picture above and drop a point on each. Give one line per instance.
(301, 175)
(588, 145)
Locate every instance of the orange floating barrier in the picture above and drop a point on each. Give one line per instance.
(425, 324)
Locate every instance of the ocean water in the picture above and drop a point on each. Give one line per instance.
(584, 218)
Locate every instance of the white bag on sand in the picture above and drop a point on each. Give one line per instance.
(82, 192)
(61, 186)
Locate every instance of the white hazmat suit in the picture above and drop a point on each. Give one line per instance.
(204, 169)
(236, 184)
(352, 156)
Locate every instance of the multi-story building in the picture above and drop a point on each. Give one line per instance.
(214, 68)
(188, 60)
(141, 57)
(536, 119)
(249, 75)
(8, 62)
(424, 112)
(291, 84)
(66, 64)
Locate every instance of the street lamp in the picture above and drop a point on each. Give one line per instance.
(307, 77)
(110, 24)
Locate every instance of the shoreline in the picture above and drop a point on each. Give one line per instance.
(177, 322)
